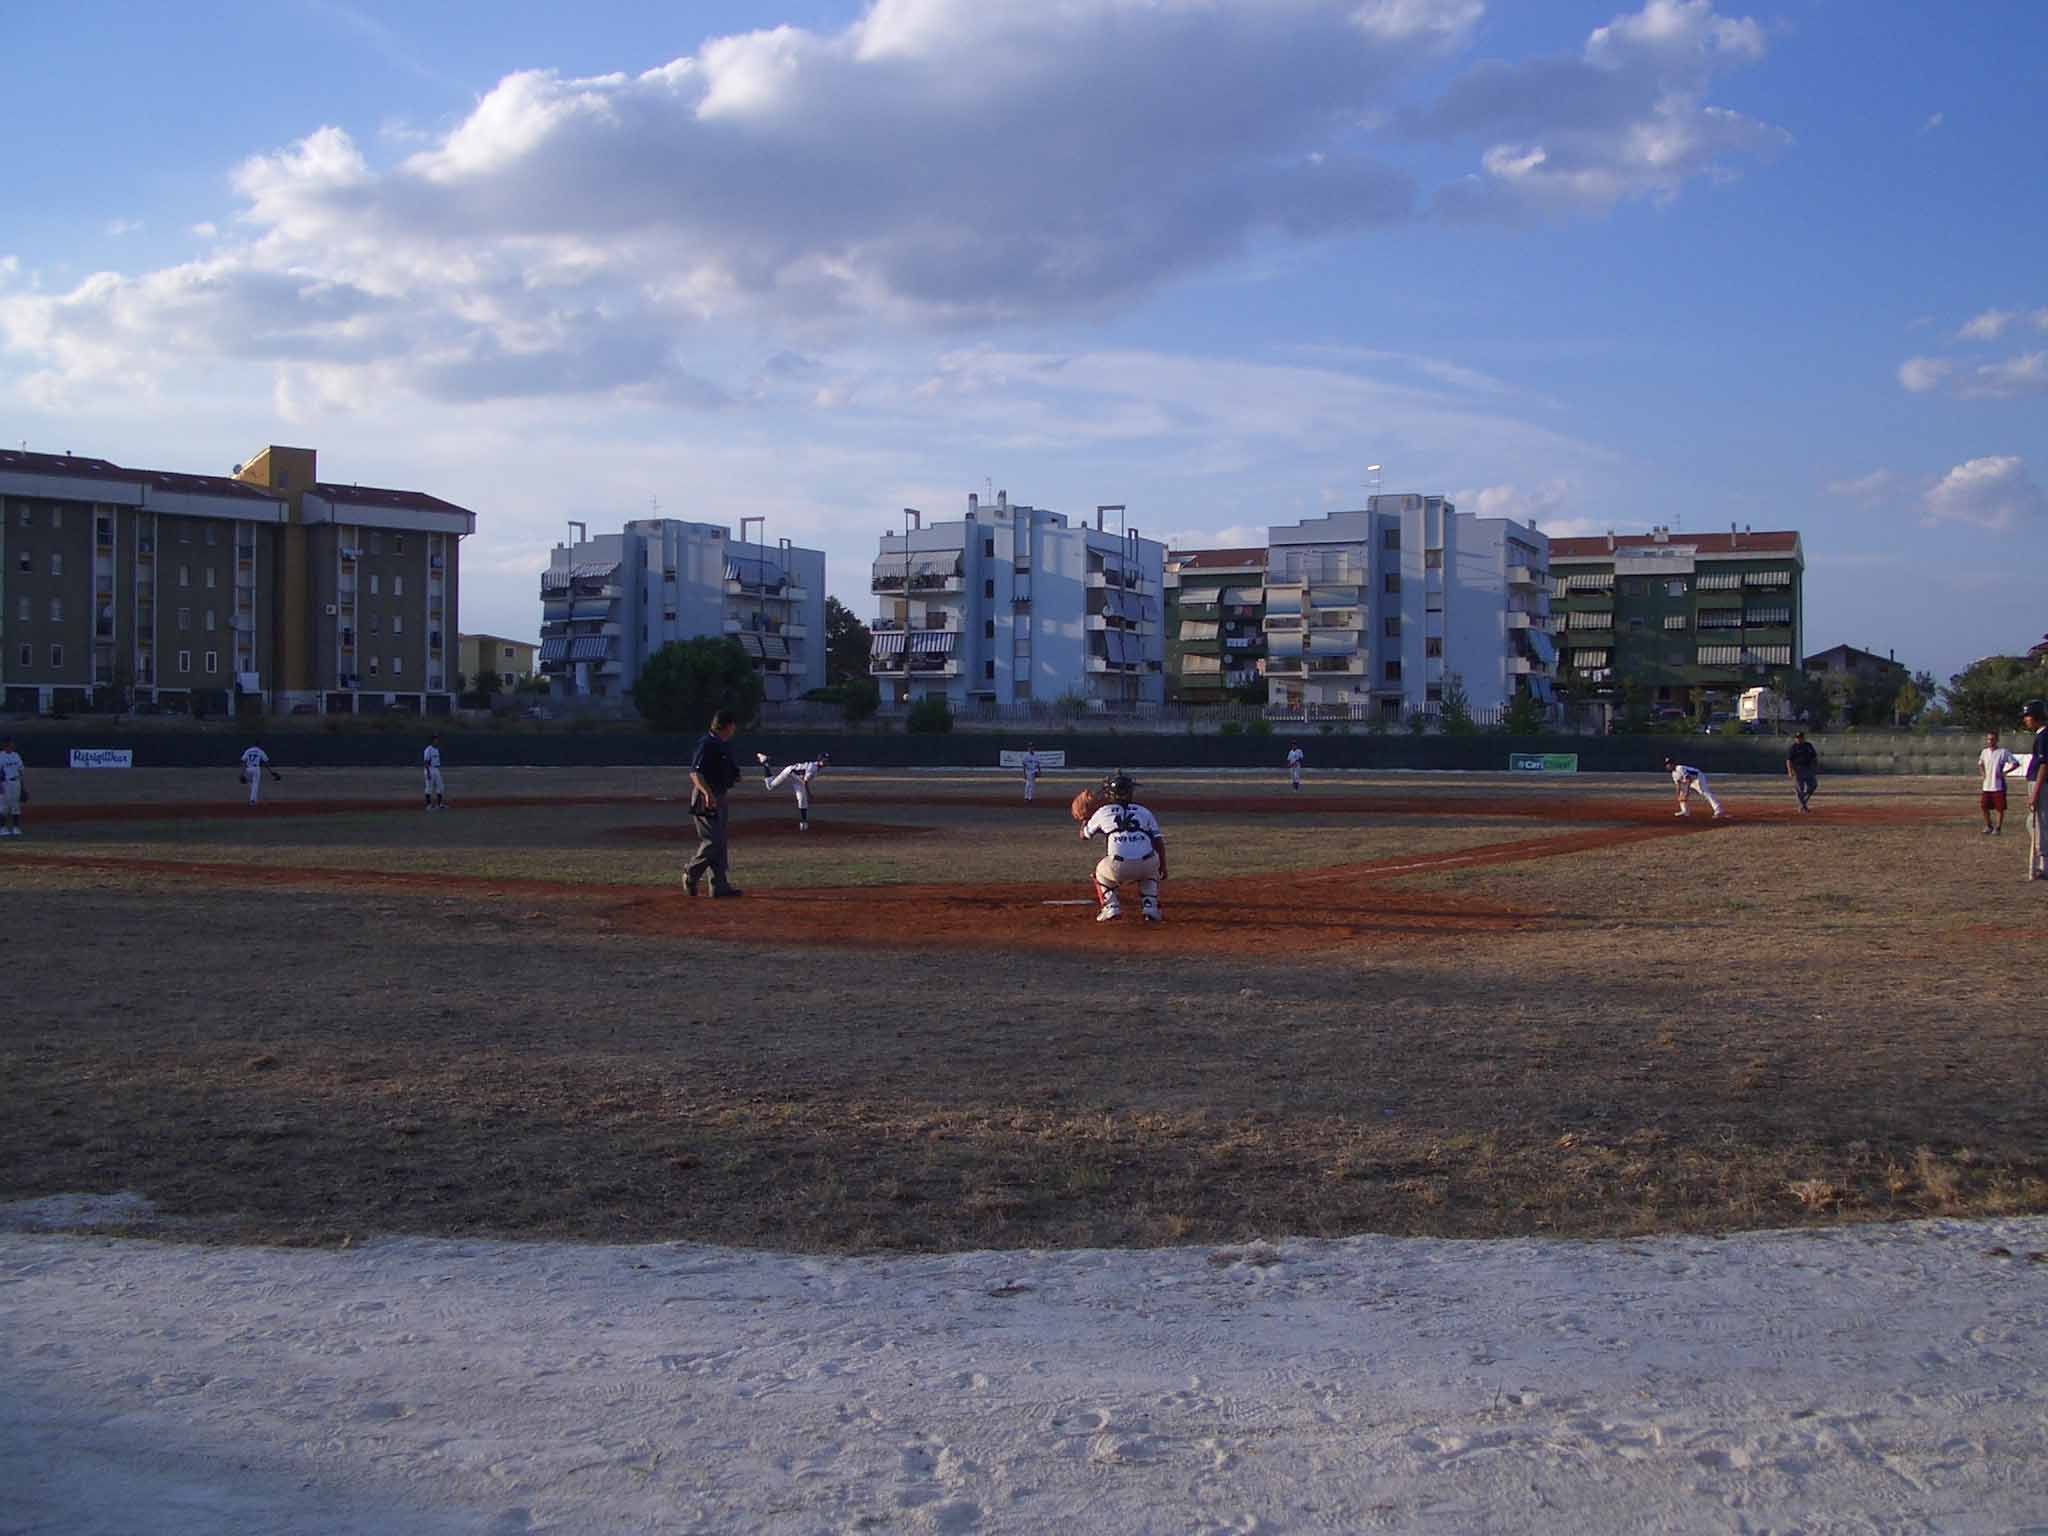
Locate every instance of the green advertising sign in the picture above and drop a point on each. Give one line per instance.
(1543, 762)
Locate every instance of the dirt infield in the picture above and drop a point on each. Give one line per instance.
(762, 825)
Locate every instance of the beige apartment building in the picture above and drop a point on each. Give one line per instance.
(264, 590)
(510, 660)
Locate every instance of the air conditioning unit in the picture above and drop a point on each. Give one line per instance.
(333, 609)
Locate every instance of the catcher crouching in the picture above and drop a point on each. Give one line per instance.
(1135, 857)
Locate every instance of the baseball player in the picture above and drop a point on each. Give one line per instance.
(798, 777)
(1995, 763)
(1135, 854)
(254, 761)
(430, 760)
(1690, 781)
(1030, 774)
(13, 789)
(1294, 760)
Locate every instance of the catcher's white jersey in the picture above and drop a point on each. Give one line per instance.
(254, 760)
(1131, 829)
(10, 767)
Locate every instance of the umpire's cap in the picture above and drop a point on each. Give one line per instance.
(2034, 709)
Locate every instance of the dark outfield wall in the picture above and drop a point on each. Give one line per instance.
(1092, 752)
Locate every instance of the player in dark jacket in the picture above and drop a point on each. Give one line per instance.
(1802, 767)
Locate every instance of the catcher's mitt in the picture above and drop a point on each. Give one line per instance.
(1087, 803)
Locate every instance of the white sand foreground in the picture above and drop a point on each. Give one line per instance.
(1867, 1379)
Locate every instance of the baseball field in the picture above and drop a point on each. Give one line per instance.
(1455, 1006)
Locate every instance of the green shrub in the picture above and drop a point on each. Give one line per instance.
(929, 716)
(1259, 727)
(860, 697)
(1231, 728)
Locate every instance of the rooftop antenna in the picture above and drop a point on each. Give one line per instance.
(582, 531)
(1374, 471)
(654, 506)
(764, 529)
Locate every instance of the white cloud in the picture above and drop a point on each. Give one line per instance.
(1995, 493)
(2015, 376)
(1934, 121)
(1231, 536)
(1866, 488)
(1920, 374)
(1989, 326)
(1627, 118)
(1540, 504)
(617, 235)
(205, 229)
(116, 228)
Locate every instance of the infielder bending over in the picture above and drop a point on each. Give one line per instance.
(254, 761)
(430, 761)
(13, 789)
(798, 777)
(1135, 854)
(1690, 781)
(1294, 760)
(1030, 774)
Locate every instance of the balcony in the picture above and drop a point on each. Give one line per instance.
(1287, 623)
(1520, 620)
(1353, 666)
(1527, 576)
(1277, 666)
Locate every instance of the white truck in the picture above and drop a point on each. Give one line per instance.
(1762, 706)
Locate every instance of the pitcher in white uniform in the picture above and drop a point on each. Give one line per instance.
(798, 777)
(430, 761)
(254, 761)
(1135, 856)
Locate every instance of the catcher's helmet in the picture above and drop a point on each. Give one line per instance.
(1120, 786)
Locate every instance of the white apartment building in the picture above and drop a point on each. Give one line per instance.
(610, 602)
(1014, 605)
(1370, 611)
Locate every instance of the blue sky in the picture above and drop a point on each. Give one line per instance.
(1605, 266)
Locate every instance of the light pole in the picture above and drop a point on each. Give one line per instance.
(1374, 471)
(912, 518)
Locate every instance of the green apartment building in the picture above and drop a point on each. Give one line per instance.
(1215, 623)
(1685, 615)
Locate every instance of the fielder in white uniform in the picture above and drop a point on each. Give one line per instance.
(1294, 760)
(430, 761)
(798, 777)
(1134, 856)
(254, 761)
(1030, 774)
(1690, 781)
(10, 789)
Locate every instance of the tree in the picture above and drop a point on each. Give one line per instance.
(1454, 710)
(1987, 695)
(847, 643)
(1907, 704)
(1806, 695)
(687, 681)
(1525, 716)
(486, 683)
(859, 699)
(930, 716)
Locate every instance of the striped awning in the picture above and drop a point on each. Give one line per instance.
(591, 608)
(749, 642)
(932, 642)
(592, 569)
(556, 649)
(775, 648)
(554, 581)
(887, 642)
(763, 573)
(590, 648)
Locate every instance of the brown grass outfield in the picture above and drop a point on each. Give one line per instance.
(1758, 1025)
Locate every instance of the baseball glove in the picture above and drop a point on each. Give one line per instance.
(1086, 804)
(276, 777)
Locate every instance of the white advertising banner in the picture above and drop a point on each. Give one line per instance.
(102, 757)
(1056, 759)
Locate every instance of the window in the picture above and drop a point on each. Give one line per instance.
(28, 652)
(398, 543)
(184, 618)
(1390, 538)
(209, 624)
(988, 588)
(397, 665)
(56, 610)
(376, 623)
(212, 578)
(28, 519)
(507, 652)
(56, 565)
(21, 610)
(398, 626)
(1434, 693)
(1393, 672)
(185, 662)
(56, 658)
(184, 533)
(1391, 628)
(1635, 626)
(988, 629)
(1432, 559)
(1433, 646)
(398, 586)
(373, 666)
(212, 662)
(1633, 587)
(988, 670)
(1674, 588)
(56, 517)
(373, 584)
(988, 548)
(212, 535)
(376, 543)
(27, 563)
(507, 680)
(1392, 582)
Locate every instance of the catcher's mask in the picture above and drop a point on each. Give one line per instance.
(1120, 787)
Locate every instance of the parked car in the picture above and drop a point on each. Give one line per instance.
(1664, 714)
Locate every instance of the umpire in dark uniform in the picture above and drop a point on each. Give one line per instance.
(712, 776)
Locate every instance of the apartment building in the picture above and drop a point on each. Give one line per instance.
(1369, 612)
(510, 661)
(1680, 614)
(1013, 605)
(1215, 623)
(197, 591)
(610, 602)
